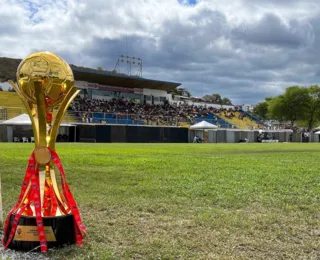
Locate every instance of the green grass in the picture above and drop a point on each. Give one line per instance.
(187, 201)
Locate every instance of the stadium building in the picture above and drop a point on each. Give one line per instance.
(107, 85)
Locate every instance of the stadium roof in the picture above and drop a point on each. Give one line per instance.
(109, 78)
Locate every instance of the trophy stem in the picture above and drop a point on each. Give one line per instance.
(41, 113)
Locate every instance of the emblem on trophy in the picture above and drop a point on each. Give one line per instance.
(46, 213)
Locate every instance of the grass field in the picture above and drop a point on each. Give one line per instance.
(187, 201)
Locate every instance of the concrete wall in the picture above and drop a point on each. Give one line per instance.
(221, 136)
(281, 137)
(230, 136)
(234, 136)
(250, 136)
(123, 133)
(212, 136)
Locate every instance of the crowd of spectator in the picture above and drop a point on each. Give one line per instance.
(231, 114)
(172, 114)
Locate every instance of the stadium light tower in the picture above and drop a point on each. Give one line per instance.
(129, 65)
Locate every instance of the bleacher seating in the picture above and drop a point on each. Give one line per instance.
(106, 118)
(225, 124)
(122, 111)
(244, 123)
(252, 117)
(15, 107)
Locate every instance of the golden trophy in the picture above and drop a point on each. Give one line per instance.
(46, 214)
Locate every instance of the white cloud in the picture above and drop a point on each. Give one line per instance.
(234, 47)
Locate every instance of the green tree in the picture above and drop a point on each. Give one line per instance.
(312, 106)
(214, 98)
(226, 101)
(261, 109)
(290, 106)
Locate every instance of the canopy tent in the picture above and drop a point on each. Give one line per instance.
(317, 133)
(204, 125)
(20, 127)
(23, 119)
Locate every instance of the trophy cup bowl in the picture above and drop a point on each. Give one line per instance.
(53, 72)
(45, 215)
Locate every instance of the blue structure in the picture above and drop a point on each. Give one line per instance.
(100, 118)
(252, 117)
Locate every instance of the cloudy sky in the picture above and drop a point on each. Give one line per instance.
(242, 49)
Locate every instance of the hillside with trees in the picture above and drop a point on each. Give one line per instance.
(8, 68)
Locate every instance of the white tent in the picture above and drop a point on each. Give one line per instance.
(23, 119)
(204, 125)
(317, 133)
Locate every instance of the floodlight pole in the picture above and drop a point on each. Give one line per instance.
(129, 60)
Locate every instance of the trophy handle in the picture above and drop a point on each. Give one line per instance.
(31, 112)
(71, 95)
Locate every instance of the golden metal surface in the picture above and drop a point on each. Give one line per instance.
(58, 118)
(45, 82)
(42, 179)
(41, 112)
(54, 73)
(30, 233)
(42, 155)
(23, 200)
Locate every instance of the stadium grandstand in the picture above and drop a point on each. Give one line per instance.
(108, 97)
(111, 98)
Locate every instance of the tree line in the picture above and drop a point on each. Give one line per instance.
(213, 98)
(217, 99)
(298, 105)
